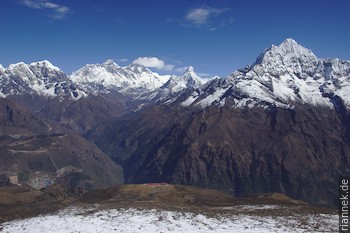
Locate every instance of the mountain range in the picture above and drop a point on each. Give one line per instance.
(281, 124)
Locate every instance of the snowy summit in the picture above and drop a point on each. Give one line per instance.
(284, 75)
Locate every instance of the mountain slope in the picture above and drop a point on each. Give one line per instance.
(239, 150)
(38, 153)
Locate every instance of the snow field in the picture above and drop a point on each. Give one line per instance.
(153, 221)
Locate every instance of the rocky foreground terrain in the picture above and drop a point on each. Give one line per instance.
(162, 208)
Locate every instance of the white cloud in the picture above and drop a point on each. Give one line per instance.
(31, 4)
(153, 62)
(168, 67)
(204, 75)
(59, 11)
(200, 16)
(124, 60)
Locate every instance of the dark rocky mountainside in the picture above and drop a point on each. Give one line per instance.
(77, 116)
(299, 152)
(16, 119)
(35, 153)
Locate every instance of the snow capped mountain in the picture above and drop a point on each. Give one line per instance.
(135, 80)
(211, 93)
(193, 80)
(44, 65)
(41, 78)
(110, 76)
(289, 56)
(282, 75)
(175, 86)
(189, 79)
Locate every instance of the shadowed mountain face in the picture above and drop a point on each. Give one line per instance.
(36, 153)
(16, 119)
(299, 152)
(77, 116)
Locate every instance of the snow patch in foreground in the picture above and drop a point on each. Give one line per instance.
(152, 221)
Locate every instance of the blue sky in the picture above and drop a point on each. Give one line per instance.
(216, 37)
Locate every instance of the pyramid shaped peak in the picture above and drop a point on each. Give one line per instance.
(289, 56)
(290, 41)
(189, 69)
(287, 49)
(190, 73)
(290, 45)
(110, 62)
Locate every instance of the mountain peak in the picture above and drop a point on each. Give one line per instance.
(20, 68)
(190, 69)
(290, 46)
(192, 78)
(190, 73)
(110, 62)
(288, 56)
(18, 64)
(290, 42)
(45, 63)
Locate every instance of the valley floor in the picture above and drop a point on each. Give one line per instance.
(241, 218)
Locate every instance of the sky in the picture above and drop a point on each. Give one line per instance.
(216, 37)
